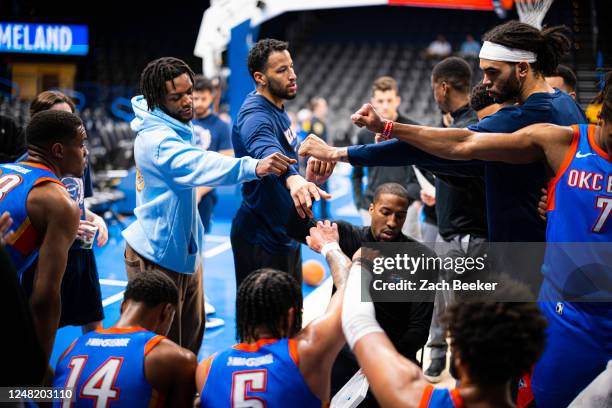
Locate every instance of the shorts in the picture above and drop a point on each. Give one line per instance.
(579, 345)
(81, 296)
(80, 293)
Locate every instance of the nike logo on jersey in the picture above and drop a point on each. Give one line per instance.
(583, 155)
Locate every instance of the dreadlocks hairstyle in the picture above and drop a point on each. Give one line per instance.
(154, 76)
(259, 54)
(497, 340)
(263, 301)
(550, 44)
(605, 98)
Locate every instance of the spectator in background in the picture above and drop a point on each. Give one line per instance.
(12, 143)
(440, 48)
(386, 100)
(303, 117)
(318, 126)
(213, 134)
(470, 47)
(80, 293)
(564, 79)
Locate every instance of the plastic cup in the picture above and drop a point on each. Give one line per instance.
(88, 240)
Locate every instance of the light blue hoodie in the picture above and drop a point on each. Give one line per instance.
(168, 230)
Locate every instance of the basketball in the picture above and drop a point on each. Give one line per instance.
(313, 272)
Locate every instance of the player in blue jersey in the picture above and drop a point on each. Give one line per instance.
(45, 218)
(80, 292)
(491, 343)
(132, 364)
(579, 210)
(278, 364)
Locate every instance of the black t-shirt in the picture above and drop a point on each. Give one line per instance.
(406, 324)
(460, 201)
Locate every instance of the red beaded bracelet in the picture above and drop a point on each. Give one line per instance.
(386, 133)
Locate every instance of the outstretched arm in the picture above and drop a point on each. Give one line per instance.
(388, 153)
(394, 380)
(189, 166)
(320, 342)
(532, 143)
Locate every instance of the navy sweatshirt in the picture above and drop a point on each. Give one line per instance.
(260, 130)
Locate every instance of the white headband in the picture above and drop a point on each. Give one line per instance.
(497, 52)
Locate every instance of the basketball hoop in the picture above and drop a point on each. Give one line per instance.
(532, 12)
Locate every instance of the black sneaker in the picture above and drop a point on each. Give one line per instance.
(434, 372)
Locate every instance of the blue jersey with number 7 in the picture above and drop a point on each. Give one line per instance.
(580, 211)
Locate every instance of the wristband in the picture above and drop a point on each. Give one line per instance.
(358, 318)
(386, 133)
(330, 246)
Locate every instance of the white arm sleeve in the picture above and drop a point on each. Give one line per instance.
(358, 318)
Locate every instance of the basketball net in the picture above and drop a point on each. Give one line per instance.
(532, 12)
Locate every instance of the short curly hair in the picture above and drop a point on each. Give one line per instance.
(152, 288)
(497, 341)
(259, 54)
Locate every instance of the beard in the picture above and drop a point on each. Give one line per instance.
(511, 89)
(176, 115)
(279, 91)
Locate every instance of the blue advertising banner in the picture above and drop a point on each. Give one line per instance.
(44, 38)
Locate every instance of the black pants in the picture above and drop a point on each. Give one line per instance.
(250, 257)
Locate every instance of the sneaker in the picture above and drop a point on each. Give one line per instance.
(213, 322)
(434, 372)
